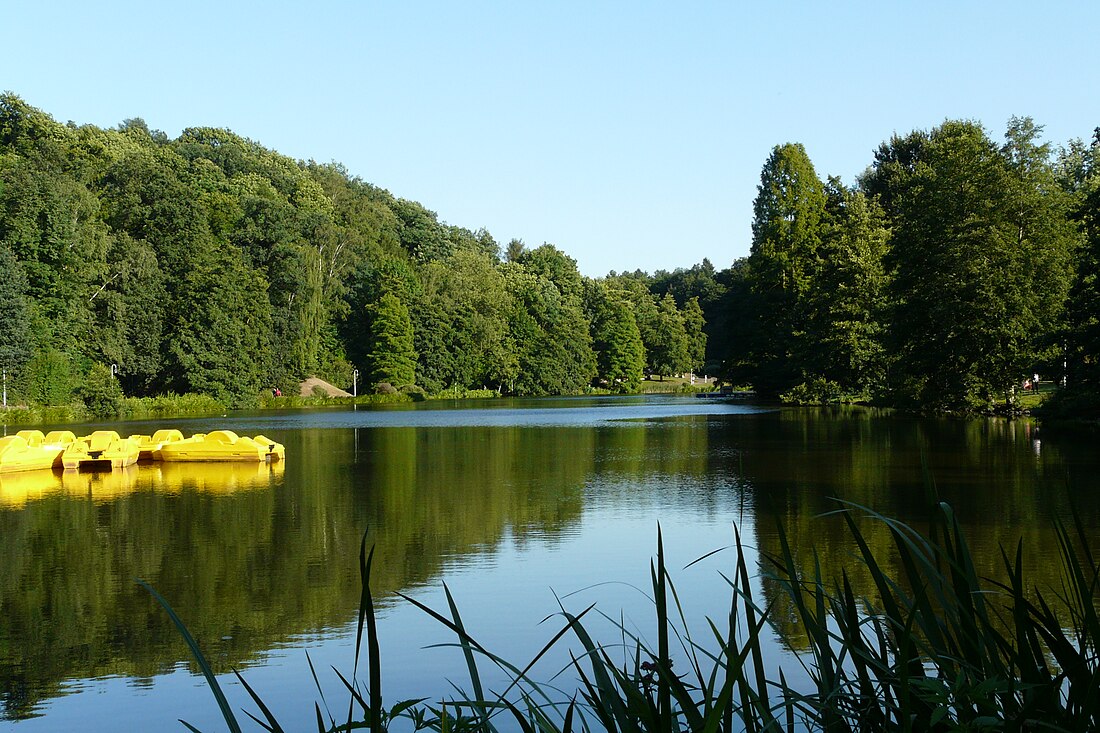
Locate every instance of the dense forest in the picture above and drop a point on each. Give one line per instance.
(950, 271)
(210, 264)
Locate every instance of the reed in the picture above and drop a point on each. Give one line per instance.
(940, 649)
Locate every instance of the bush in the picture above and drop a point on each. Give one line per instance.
(416, 393)
(819, 391)
(101, 392)
(385, 388)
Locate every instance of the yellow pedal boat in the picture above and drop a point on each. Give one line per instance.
(29, 450)
(149, 445)
(101, 451)
(222, 445)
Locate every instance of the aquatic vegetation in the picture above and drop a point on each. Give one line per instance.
(940, 648)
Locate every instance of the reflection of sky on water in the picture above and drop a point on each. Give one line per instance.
(574, 412)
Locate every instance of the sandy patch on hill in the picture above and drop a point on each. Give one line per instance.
(308, 385)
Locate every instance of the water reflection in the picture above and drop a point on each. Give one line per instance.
(805, 464)
(252, 556)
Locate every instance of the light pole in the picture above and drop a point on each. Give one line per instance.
(114, 371)
(5, 387)
(354, 382)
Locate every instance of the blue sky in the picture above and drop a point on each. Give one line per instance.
(630, 135)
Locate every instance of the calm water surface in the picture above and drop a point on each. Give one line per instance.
(512, 504)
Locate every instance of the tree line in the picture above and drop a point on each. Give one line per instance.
(950, 271)
(210, 264)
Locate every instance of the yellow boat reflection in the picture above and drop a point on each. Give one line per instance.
(19, 489)
(217, 477)
(16, 489)
(100, 486)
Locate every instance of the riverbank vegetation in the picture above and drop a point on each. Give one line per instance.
(951, 271)
(938, 648)
(211, 265)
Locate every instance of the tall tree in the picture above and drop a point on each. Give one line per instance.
(670, 352)
(553, 344)
(15, 345)
(784, 260)
(695, 331)
(972, 223)
(847, 305)
(220, 344)
(391, 357)
(1082, 339)
(620, 355)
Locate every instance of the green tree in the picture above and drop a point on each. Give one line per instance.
(221, 343)
(784, 262)
(1082, 337)
(975, 227)
(670, 351)
(847, 307)
(101, 392)
(553, 346)
(51, 223)
(15, 345)
(49, 378)
(695, 330)
(391, 357)
(472, 293)
(129, 310)
(620, 355)
(514, 251)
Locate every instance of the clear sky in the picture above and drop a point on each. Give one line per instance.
(630, 135)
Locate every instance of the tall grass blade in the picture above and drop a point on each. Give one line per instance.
(366, 617)
(468, 654)
(272, 725)
(320, 690)
(208, 673)
(664, 660)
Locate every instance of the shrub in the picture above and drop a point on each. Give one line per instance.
(818, 391)
(101, 392)
(416, 393)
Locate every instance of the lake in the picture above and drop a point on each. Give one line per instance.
(516, 506)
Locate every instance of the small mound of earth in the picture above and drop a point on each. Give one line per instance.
(306, 388)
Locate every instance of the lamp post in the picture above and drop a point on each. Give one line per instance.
(354, 382)
(5, 387)
(114, 370)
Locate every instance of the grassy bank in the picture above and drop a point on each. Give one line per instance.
(939, 649)
(192, 405)
(127, 408)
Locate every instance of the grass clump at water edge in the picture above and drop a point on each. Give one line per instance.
(939, 649)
